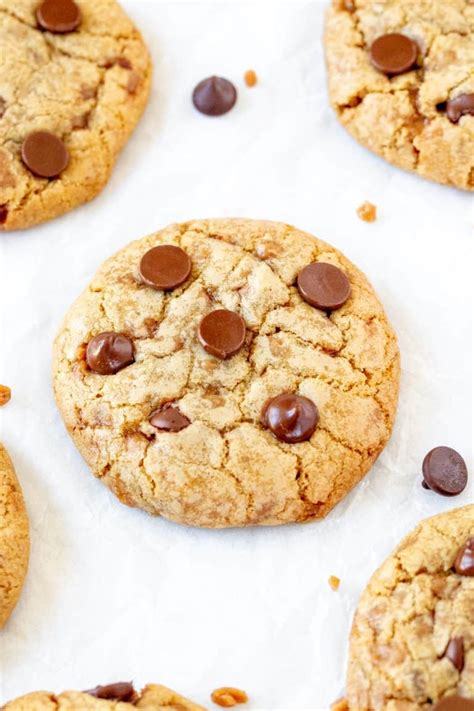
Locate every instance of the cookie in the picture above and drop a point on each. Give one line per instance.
(120, 697)
(401, 80)
(14, 537)
(228, 373)
(74, 81)
(412, 641)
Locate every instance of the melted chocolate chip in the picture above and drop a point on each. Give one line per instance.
(455, 652)
(214, 96)
(222, 333)
(165, 267)
(292, 418)
(394, 53)
(121, 691)
(109, 352)
(460, 106)
(444, 471)
(3, 214)
(44, 154)
(323, 286)
(58, 16)
(169, 418)
(464, 563)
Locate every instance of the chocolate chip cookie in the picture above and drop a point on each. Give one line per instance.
(74, 80)
(412, 641)
(120, 696)
(228, 373)
(401, 80)
(14, 537)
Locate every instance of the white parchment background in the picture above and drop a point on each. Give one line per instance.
(113, 594)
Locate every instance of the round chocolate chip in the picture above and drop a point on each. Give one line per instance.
(58, 16)
(454, 703)
(169, 418)
(44, 154)
(109, 352)
(214, 96)
(222, 333)
(445, 471)
(394, 53)
(121, 691)
(165, 267)
(464, 563)
(323, 286)
(460, 106)
(292, 418)
(455, 652)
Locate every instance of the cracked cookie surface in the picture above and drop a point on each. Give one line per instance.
(225, 468)
(14, 537)
(403, 118)
(413, 607)
(89, 87)
(152, 698)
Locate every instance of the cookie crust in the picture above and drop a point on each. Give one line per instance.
(153, 698)
(14, 537)
(403, 118)
(226, 468)
(88, 87)
(414, 604)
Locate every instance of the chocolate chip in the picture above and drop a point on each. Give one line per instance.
(454, 703)
(58, 16)
(3, 214)
(214, 96)
(464, 563)
(222, 333)
(169, 418)
(292, 418)
(165, 267)
(394, 53)
(444, 471)
(455, 652)
(121, 691)
(44, 154)
(323, 286)
(461, 105)
(109, 352)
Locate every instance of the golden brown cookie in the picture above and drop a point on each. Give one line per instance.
(14, 537)
(69, 100)
(222, 396)
(401, 80)
(412, 640)
(120, 697)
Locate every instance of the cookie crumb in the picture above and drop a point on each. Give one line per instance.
(227, 696)
(250, 77)
(367, 212)
(5, 395)
(340, 705)
(334, 582)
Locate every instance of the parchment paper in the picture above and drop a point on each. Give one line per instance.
(113, 594)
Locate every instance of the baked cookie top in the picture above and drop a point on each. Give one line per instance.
(120, 697)
(412, 640)
(169, 397)
(401, 79)
(14, 537)
(70, 96)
